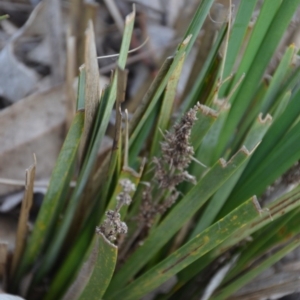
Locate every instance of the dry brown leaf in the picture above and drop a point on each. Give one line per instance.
(42, 37)
(92, 92)
(46, 23)
(70, 75)
(33, 125)
(16, 80)
(54, 34)
(24, 215)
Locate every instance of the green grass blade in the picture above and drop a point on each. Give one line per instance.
(285, 231)
(166, 107)
(275, 134)
(271, 213)
(282, 104)
(185, 47)
(242, 280)
(236, 38)
(255, 135)
(253, 112)
(266, 15)
(190, 252)
(264, 240)
(279, 76)
(150, 94)
(141, 139)
(81, 89)
(71, 264)
(206, 117)
(205, 73)
(288, 229)
(160, 86)
(180, 214)
(89, 163)
(292, 80)
(162, 124)
(249, 85)
(104, 266)
(274, 210)
(285, 155)
(86, 203)
(205, 152)
(197, 22)
(112, 163)
(269, 98)
(54, 198)
(92, 88)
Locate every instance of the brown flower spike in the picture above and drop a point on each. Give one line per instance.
(112, 225)
(170, 169)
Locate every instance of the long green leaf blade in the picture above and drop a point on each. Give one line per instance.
(206, 71)
(275, 134)
(249, 86)
(285, 154)
(181, 213)
(254, 137)
(53, 199)
(106, 258)
(166, 107)
(242, 280)
(269, 98)
(188, 253)
(206, 117)
(237, 35)
(159, 89)
(197, 22)
(185, 47)
(90, 161)
(274, 210)
(266, 15)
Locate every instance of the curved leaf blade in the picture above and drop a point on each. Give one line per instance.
(181, 213)
(190, 252)
(54, 197)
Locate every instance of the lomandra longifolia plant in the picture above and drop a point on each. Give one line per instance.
(193, 194)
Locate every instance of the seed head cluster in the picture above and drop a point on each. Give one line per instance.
(124, 197)
(177, 153)
(112, 225)
(176, 149)
(170, 168)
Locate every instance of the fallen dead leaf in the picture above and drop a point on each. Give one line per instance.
(39, 42)
(16, 80)
(23, 218)
(33, 125)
